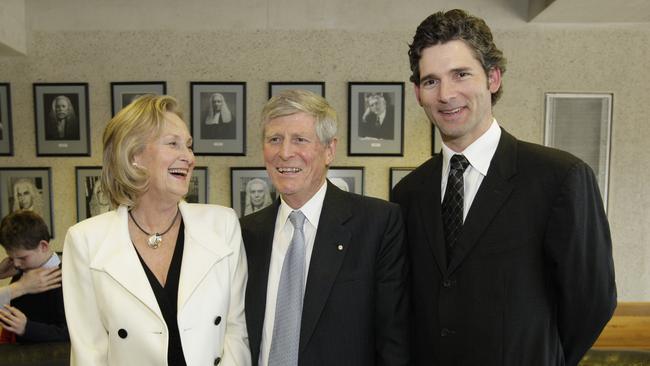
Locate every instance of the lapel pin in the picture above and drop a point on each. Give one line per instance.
(340, 247)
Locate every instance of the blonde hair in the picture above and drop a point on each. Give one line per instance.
(125, 136)
(289, 102)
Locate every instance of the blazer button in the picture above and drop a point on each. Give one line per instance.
(217, 360)
(217, 320)
(122, 333)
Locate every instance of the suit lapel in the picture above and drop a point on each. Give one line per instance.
(117, 257)
(492, 194)
(430, 213)
(326, 258)
(259, 244)
(200, 253)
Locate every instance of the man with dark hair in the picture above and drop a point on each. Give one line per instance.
(511, 258)
(32, 317)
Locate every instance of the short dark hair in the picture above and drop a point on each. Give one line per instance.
(23, 229)
(453, 25)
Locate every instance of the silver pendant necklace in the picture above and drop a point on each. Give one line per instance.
(155, 239)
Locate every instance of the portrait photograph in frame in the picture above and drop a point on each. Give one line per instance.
(62, 119)
(251, 190)
(376, 118)
(396, 174)
(349, 179)
(581, 123)
(27, 189)
(91, 199)
(218, 118)
(316, 87)
(6, 133)
(125, 92)
(198, 189)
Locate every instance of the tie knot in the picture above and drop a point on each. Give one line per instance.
(297, 219)
(459, 162)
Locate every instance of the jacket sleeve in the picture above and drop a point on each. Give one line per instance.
(579, 248)
(89, 338)
(236, 349)
(392, 289)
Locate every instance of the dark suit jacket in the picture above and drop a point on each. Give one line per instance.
(71, 130)
(370, 127)
(220, 131)
(356, 298)
(532, 277)
(45, 316)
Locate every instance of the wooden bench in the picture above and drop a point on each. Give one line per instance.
(629, 328)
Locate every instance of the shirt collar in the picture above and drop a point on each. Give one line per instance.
(311, 209)
(479, 153)
(53, 262)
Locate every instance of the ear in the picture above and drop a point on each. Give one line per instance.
(416, 88)
(494, 79)
(43, 246)
(330, 151)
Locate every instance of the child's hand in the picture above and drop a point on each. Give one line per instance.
(37, 280)
(7, 268)
(13, 319)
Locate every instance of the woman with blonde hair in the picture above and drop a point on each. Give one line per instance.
(157, 281)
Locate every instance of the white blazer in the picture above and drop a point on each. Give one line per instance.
(112, 313)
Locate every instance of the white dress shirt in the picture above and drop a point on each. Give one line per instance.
(281, 240)
(479, 154)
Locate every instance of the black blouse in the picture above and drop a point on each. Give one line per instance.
(167, 298)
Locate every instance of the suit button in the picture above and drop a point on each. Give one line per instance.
(217, 320)
(217, 361)
(446, 283)
(122, 333)
(445, 332)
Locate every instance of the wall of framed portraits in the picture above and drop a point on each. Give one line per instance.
(196, 65)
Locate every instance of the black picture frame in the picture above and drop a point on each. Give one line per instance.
(348, 178)
(198, 189)
(33, 183)
(370, 134)
(91, 200)
(66, 136)
(242, 180)
(124, 92)
(6, 122)
(395, 175)
(317, 87)
(212, 134)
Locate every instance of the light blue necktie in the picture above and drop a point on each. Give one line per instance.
(288, 309)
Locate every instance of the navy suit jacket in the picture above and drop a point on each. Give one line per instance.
(45, 316)
(355, 309)
(531, 281)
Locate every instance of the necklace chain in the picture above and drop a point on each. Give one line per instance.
(155, 239)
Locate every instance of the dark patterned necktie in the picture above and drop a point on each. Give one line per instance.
(452, 204)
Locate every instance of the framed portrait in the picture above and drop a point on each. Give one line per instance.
(91, 199)
(349, 179)
(376, 119)
(198, 190)
(6, 133)
(581, 123)
(251, 190)
(316, 87)
(61, 117)
(123, 93)
(396, 174)
(27, 189)
(218, 118)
